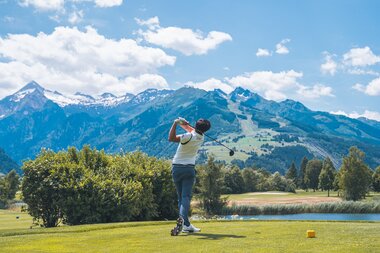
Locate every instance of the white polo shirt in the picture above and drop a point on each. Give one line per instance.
(188, 148)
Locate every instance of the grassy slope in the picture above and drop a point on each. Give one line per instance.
(217, 236)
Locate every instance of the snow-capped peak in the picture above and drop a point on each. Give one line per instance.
(149, 95)
(108, 95)
(30, 86)
(106, 99)
(21, 94)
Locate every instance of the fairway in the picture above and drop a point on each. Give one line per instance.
(216, 236)
(301, 196)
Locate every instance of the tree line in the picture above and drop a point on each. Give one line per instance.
(353, 180)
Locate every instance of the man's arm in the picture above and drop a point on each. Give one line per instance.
(185, 126)
(172, 133)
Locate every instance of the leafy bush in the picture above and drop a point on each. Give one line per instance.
(89, 186)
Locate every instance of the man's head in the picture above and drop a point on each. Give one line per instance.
(202, 125)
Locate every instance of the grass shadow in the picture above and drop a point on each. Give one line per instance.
(208, 236)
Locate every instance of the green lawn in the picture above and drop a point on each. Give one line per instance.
(216, 236)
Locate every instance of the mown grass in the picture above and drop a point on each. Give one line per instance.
(216, 236)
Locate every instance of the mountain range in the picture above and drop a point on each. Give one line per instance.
(262, 132)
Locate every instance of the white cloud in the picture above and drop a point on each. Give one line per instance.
(366, 114)
(70, 60)
(316, 91)
(8, 19)
(360, 57)
(59, 5)
(372, 89)
(184, 40)
(140, 83)
(281, 48)
(330, 66)
(108, 3)
(211, 84)
(263, 52)
(76, 17)
(357, 71)
(43, 5)
(152, 23)
(359, 87)
(271, 85)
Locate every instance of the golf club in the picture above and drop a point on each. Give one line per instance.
(231, 151)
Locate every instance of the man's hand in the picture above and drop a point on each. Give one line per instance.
(181, 121)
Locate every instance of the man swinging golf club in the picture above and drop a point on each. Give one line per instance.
(183, 167)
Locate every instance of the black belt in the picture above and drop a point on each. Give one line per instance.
(182, 165)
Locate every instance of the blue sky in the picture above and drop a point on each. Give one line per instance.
(325, 54)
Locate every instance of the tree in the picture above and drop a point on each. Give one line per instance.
(355, 176)
(280, 183)
(41, 190)
(313, 169)
(376, 180)
(292, 173)
(211, 186)
(233, 180)
(301, 176)
(250, 180)
(327, 176)
(9, 185)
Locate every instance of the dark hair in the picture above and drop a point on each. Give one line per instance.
(202, 125)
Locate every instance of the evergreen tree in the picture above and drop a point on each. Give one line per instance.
(211, 185)
(376, 180)
(301, 176)
(313, 169)
(355, 176)
(292, 173)
(327, 176)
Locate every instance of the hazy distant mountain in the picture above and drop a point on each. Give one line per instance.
(264, 133)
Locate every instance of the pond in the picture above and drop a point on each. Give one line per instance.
(309, 216)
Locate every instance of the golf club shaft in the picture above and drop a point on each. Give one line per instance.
(213, 139)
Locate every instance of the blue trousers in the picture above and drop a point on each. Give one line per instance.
(184, 179)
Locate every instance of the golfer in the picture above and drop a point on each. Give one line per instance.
(183, 167)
